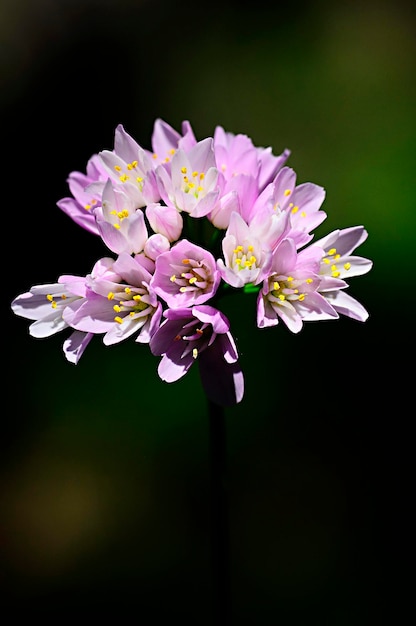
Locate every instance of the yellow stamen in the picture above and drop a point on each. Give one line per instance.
(118, 319)
(332, 251)
(295, 209)
(137, 298)
(347, 266)
(301, 297)
(309, 280)
(117, 168)
(54, 305)
(49, 297)
(124, 178)
(287, 192)
(183, 170)
(194, 353)
(173, 278)
(192, 280)
(117, 308)
(110, 295)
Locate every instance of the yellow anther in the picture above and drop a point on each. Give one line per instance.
(127, 290)
(113, 212)
(238, 249)
(191, 185)
(118, 319)
(303, 214)
(132, 314)
(194, 353)
(87, 207)
(172, 151)
(289, 279)
(309, 280)
(192, 280)
(248, 263)
(201, 176)
(335, 274)
(54, 305)
(194, 174)
(199, 188)
(337, 256)
(110, 295)
(301, 297)
(253, 259)
(295, 209)
(347, 266)
(117, 168)
(183, 170)
(49, 297)
(327, 261)
(334, 267)
(238, 261)
(332, 251)
(250, 248)
(182, 289)
(296, 291)
(139, 179)
(63, 296)
(276, 286)
(117, 308)
(116, 226)
(154, 156)
(167, 160)
(137, 297)
(173, 278)
(185, 261)
(288, 192)
(281, 296)
(124, 178)
(131, 165)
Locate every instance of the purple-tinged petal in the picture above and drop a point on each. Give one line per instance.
(75, 345)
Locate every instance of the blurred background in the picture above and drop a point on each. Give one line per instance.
(105, 470)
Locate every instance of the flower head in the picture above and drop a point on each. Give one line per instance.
(186, 220)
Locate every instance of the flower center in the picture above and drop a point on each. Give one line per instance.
(286, 289)
(332, 256)
(192, 275)
(132, 302)
(244, 258)
(193, 184)
(131, 173)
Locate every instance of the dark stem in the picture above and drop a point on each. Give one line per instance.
(219, 516)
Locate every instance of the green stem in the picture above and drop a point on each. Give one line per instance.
(219, 516)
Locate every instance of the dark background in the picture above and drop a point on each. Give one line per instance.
(104, 486)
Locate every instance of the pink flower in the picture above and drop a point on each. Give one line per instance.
(191, 184)
(290, 292)
(200, 333)
(79, 206)
(118, 302)
(185, 275)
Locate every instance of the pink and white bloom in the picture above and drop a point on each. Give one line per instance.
(45, 304)
(302, 202)
(120, 224)
(130, 167)
(191, 184)
(247, 249)
(79, 206)
(202, 334)
(337, 264)
(166, 140)
(185, 275)
(119, 302)
(290, 292)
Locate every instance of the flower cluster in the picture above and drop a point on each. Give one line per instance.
(184, 224)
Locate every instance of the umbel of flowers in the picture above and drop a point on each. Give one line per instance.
(184, 224)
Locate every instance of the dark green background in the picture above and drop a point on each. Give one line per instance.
(104, 490)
